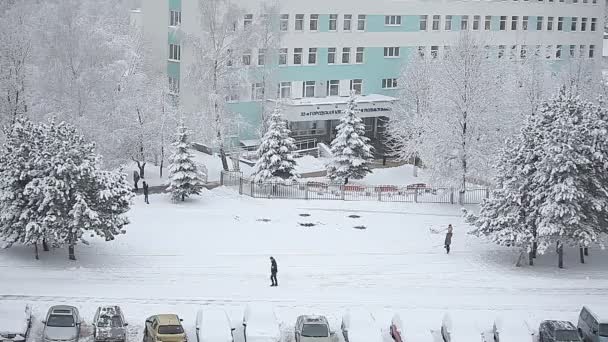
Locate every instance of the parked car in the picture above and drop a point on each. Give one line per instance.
(360, 326)
(396, 329)
(166, 327)
(558, 331)
(62, 323)
(15, 322)
(109, 324)
(213, 325)
(260, 324)
(312, 329)
(592, 327)
(511, 330)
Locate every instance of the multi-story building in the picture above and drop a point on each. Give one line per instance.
(330, 47)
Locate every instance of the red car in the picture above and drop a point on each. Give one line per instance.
(397, 329)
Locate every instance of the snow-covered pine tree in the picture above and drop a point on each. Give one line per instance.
(185, 179)
(351, 151)
(571, 177)
(276, 161)
(61, 192)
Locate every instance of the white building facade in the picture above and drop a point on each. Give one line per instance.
(330, 47)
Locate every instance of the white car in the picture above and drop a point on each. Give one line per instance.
(260, 324)
(15, 322)
(213, 325)
(509, 330)
(360, 326)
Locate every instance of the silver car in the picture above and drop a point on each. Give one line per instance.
(312, 329)
(62, 324)
(110, 325)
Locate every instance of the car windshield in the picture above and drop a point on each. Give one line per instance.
(60, 321)
(314, 330)
(566, 335)
(604, 330)
(109, 322)
(170, 329)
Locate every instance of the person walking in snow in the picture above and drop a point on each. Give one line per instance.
(448, 239)
(145, 186)
(273, 272)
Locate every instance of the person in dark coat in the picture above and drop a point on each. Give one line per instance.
(448, 239)
(145, 186)
(273, 272)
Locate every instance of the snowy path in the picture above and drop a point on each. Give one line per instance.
(215, 252)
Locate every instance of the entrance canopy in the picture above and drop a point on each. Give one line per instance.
(332, 107)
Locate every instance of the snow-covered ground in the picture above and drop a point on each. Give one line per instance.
(214, 252)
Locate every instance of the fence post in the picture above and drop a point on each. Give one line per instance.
(342, 189)
(379, 194)
(451, 195)
(240, 185)
(415, 195)
(221, 177)
(306, 191)
(461, 194)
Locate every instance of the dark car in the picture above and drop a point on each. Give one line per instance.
(558, 331)
(109, 324)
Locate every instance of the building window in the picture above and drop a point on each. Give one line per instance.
(572, 51)
(174, 52)
(297, 56)
(421, 51)
(392, 20)
(247, 57)
(173, 85)
(361, 22)
(573, 25)
(333, 88)
(175, 18)
(345, 55)
(434, 51)
(523, 53)
(549, 23)
(314, 22)
(591, 51)
(359, 55)
(248, 21)
(524, 24)
(312, 56)
(436, 21)
(333, 22)
(356, 85)
(448, 23)
(299, 24)
(284, 91)
(503, 22)
(501, 51)
(331, 55)
(488, 23)
(257, 91)
(389, 83)
(284, 22)
(423, 20)
(391, 52)
(232, 95)
(514, 20)
(309, 89)
(347, 22)
(513, 54)
(464, 23)
(558, 52)
(581, 51)
(446, 51)
(549, 52)
(583, 24)
(283, 56)
(229, 57)
(593, 24)
(560, 23)
(539, 23)
(261, 57)
(476, 20)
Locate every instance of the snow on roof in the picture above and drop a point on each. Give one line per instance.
(312, 101)
(14, 318)
(213, 325)
(250, 142)
(261, 322)
(513, 330)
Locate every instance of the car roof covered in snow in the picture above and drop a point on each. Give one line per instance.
(213, 325)
(361, 326)
(15, 317)
(168, 319)
(558, 325)
(601, 315)
(62, 310)
(261, 322)
(513, 330)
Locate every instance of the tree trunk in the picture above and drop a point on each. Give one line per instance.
(534, 249)
(586, 251)
(582, 254)
(223, 156)
(45, 246)
(346, 181)
(36, 251)
(183, 197)
(531, 258)
(71, 253)
(162, 160)
(141, 167)
(560, 254)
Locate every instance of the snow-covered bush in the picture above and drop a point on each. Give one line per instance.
(185, 179)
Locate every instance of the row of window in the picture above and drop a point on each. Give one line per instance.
(514, 23)
(519, 51)
(286, 90)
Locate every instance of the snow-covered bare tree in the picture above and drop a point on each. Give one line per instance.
(276, 161)
(62, 192)
(185, 178)
(351, 150)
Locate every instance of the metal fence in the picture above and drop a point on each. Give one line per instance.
(313, 190)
